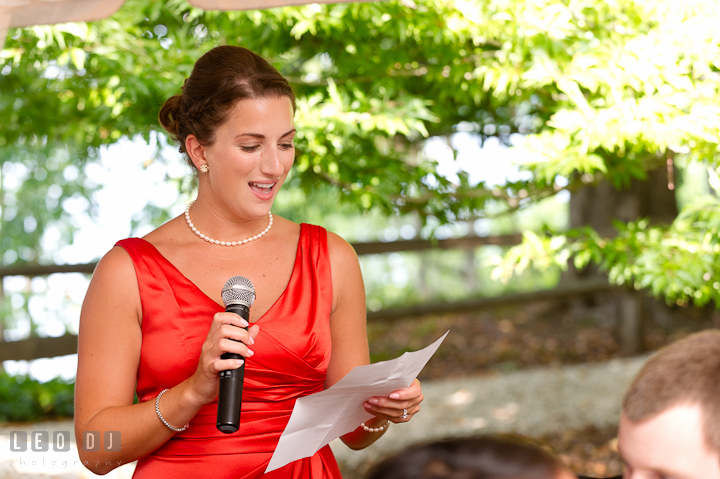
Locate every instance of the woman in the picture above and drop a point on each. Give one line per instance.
(153, 314)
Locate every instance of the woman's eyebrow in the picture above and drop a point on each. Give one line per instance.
(254, 135)
(289, 133)
(260, 135)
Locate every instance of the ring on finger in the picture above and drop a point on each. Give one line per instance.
(404, 414)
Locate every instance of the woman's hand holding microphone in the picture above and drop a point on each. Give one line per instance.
(227, 334)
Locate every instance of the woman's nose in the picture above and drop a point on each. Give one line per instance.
(272, 164)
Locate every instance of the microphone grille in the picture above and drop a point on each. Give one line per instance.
(238, 289)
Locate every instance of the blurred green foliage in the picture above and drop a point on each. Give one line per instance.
(24, 399)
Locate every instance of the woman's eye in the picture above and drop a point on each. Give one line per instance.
(249, 149)
(287, 146)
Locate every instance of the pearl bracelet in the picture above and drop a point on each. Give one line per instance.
(376, 429)
(157, 410)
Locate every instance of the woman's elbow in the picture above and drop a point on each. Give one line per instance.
(93, 453)
(96, 464)
(353, 443)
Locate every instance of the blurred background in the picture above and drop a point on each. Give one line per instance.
(538, 176)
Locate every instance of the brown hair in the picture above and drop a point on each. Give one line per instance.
(478, 457)
(685, 373)
(220, 78)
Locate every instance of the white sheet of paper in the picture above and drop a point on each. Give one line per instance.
(322, 417)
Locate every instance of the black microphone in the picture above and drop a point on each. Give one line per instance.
(238, 294)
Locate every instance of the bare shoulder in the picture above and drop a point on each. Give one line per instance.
(168, 233)
(287, 229)
(340, 251)
(109, 338)
(348, 288)
(347, 320)
(115, 266)
(114, 281)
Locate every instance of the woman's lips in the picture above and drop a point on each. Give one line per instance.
(262, 189)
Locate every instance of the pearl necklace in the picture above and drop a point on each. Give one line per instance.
(225, 243)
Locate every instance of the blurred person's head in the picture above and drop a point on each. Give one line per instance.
(670, 422)
(479, 457)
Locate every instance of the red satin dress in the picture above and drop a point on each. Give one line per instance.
(292, 352)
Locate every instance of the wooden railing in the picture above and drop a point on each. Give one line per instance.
(376, 247)
(33, 348)
(37, 347)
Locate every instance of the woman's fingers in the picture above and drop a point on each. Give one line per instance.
(226, 336)
(390, 407)
(404, 402)
(412, 391)
(228, 333)
(231, 331)
(254, 330)
(393, 414)
(231, 339)
(222, 318)
(231, 345)
(400, 399)
(225, 364)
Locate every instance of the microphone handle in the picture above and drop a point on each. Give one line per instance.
(231, 384)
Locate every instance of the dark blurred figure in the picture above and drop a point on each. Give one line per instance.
(479, 457)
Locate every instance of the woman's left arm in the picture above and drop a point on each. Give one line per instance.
(350, 345)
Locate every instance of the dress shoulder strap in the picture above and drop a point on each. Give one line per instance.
(145, 257)
(315, 244)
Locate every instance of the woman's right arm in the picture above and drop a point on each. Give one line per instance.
(108, 357)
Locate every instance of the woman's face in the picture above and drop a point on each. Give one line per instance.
(250, 158)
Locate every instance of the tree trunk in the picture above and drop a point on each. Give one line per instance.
(598, 206)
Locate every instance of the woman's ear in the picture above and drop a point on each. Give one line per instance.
(195, 151)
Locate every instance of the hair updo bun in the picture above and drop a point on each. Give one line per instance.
(169, 114)
(220, 78)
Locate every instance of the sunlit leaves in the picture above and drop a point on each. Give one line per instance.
(583, 91)
(653, 85)
(384, 77)
(679, 262)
